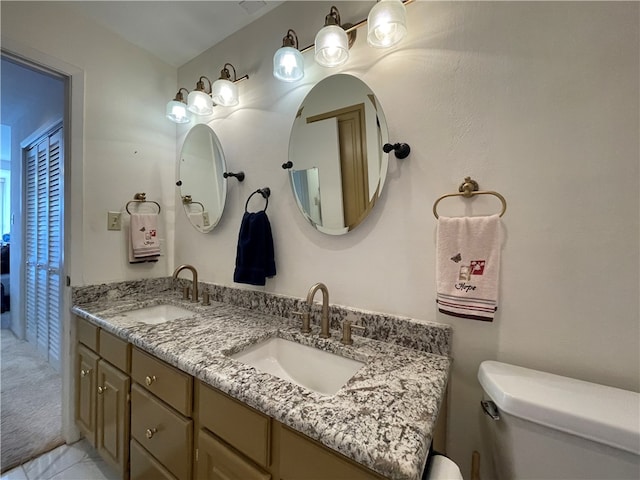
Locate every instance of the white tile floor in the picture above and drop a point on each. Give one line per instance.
(78, 461)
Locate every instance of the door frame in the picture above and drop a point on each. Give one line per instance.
(73, 125)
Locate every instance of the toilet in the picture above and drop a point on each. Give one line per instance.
(544, 426)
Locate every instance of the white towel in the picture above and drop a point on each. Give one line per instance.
(467, 266)
(144, 235)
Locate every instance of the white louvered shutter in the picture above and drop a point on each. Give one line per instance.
(44, 197)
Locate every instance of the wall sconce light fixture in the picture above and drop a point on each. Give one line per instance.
(332, 43)
(200, 101)
(288, 64)
(387, 27)
(177, 108)
(224, 91)
(387, 23)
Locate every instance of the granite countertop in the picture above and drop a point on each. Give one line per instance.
(382, 418)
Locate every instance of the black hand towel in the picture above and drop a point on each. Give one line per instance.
(254, 258)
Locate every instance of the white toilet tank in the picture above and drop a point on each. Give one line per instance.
(553, 427)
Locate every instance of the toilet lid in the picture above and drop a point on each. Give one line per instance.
(442, 468)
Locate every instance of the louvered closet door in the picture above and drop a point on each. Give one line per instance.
(44, 195)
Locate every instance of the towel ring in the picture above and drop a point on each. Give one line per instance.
(141, 198)
(187, 200)
(468, 189)
(265, 192)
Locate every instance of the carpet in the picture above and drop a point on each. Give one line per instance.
(30, 403)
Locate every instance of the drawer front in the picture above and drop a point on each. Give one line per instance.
(115, 350)
(164, 381)
(87, 333)
(216, 461)
(167, 435)
(237, 424)
(145, 467)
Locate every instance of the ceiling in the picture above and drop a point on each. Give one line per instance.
(174, 31)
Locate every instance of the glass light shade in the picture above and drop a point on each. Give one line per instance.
(200, 103)
(332, 46)
(288, 64)
(387, 23)
(224, 92)
(177, 112)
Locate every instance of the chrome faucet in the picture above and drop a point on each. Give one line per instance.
(194, 281)
(324, 319)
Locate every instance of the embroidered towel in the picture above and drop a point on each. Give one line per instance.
(144, 244)
(254, 257)
(467, 266)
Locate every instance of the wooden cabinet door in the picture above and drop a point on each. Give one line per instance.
(113, 416)
(304, 459)
(217, 461)
(86, 374)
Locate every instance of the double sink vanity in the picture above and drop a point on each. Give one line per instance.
(167, 388)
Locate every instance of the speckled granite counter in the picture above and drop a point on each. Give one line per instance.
(382, 418)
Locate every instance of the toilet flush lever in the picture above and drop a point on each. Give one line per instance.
(490, 409)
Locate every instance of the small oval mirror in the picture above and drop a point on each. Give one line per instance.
(335, 147)
(203, 188)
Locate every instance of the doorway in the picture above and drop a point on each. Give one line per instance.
(34, 106)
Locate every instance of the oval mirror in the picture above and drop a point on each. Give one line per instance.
(335, 147)
(203, 189)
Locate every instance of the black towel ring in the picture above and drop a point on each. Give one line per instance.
(265, 192)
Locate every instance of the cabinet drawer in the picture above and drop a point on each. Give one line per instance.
(216, 461)
(302, 458)
(164, 433)
(164, 381)
(145, 467)
(87, 333)
(239, 425)
(115, 350)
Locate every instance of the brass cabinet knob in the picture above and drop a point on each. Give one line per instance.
(149, 380)
(151, 432)
(84, 373)
(101, 390)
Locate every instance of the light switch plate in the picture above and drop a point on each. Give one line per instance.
(114, 221)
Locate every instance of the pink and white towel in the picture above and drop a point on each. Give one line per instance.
(144, 242)
(467, 266)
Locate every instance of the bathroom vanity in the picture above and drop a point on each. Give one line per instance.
(167, 400)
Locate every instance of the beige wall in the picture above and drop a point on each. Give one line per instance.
(127, 144)
(536, 100)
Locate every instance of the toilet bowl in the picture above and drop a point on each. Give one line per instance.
(544, 426)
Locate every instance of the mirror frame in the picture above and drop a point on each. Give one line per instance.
(204, 222)
(361, 114)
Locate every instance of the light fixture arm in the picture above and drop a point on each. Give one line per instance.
(226, 75)
(290, 40)
(333, 18)
(179, 96)
(200, 85)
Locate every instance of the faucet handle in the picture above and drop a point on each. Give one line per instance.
(205, 298)
(185, 293)
(306, 322)
(347, 327)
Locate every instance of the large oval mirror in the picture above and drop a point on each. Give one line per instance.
(203, 188)
(336, 142)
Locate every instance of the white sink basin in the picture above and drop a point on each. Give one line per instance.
(157, 314)
(308, 367)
